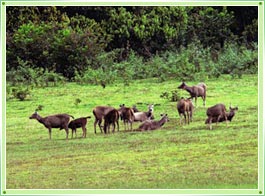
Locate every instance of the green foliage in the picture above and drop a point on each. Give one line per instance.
(24, 74)
(236, 61)
(39, 108)
(32, 77)
(212, 26)
(51, 79)
(101, 45)
(77, 101)
(173, 96)
(20, 93)
(62, 47)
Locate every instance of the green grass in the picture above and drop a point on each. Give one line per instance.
(175, 157)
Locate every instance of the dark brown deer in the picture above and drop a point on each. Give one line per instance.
(185, 107)
(229, 116)
(53, 121)
(99, 113)
(127, 115)
(195, 91)
(216, 113)
(153, 125)
(79, 123)
(111, 118)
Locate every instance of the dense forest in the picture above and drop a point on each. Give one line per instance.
(101, 45)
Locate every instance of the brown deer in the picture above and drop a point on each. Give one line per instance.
(53, 121)
(217, 113)
(99, 113)
(185, 107)
(79, 123)
(153, 125)
(195, 91)
(127, 115)
(111, 118)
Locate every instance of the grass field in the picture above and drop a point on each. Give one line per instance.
(175, 157)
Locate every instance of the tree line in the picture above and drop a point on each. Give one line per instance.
(100, 45)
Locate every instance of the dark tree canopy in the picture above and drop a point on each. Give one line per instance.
(69, 40)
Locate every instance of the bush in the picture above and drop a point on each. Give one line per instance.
(20, 93)
(238, 60)
(24, 74)
(173, 96)
(32, 77)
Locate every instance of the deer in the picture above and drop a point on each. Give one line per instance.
(53, 121)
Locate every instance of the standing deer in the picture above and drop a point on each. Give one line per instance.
(53, 121)
(79, 123)
(185, 108)
(195, 91)
(127, 115)
(99, 113)
(111, 118)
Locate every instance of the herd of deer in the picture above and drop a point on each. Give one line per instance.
(111, 116)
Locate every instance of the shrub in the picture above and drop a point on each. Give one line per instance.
(77, 101)
(238, 60)
(51, 78)
(173, 96)
(20, 93)
(33, 77)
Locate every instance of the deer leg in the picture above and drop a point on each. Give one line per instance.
(72, 133)
(185, 117)
(118, 126)
(107, 128)
(124, 123)
(84, 131)
(131, 125)
(188, 117)
(204, 100)
(180, 119)
(219, 119)
(210, 123)
(95, 124)
(113, 130)
(50, 133)
(67, 132)
(99, 124)
(75, 133)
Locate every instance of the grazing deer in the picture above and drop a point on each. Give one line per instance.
(217, 113)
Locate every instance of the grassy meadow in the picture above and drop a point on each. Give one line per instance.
(175, 157)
